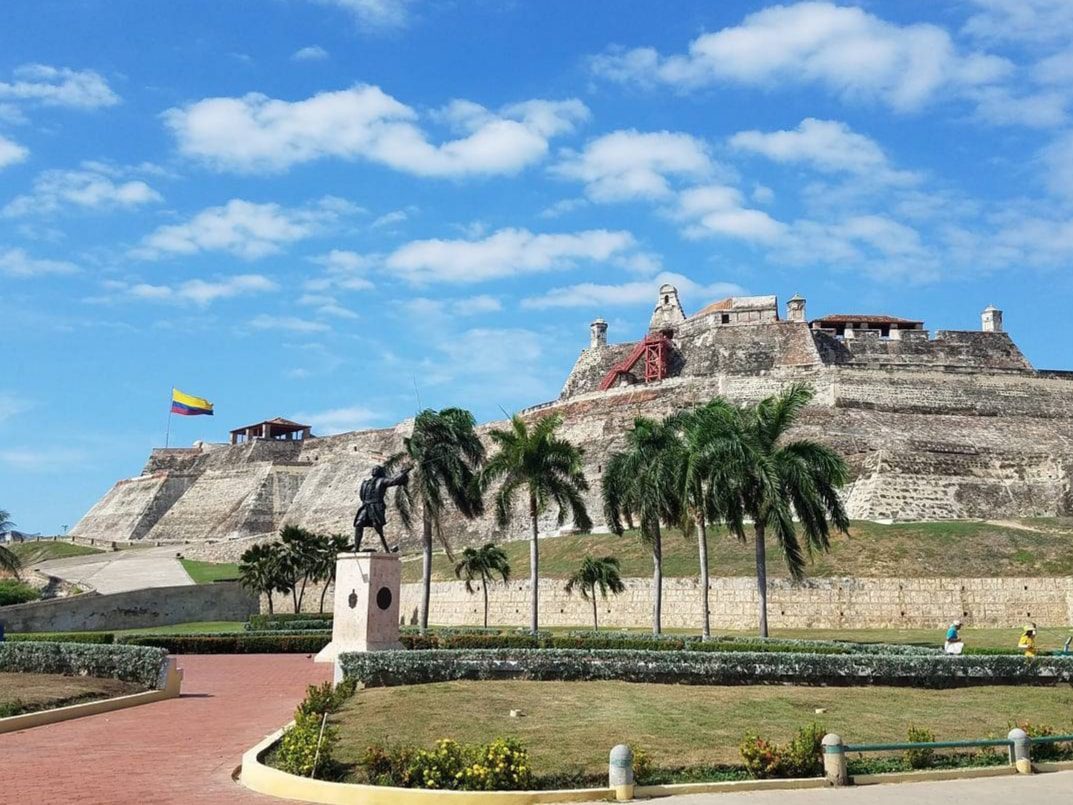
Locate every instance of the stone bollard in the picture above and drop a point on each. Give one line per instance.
(1021, 751)
(834, 760)
(620, 772)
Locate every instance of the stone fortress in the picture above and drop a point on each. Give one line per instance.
(942, 425)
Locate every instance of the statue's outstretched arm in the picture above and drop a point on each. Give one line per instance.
(400, 478)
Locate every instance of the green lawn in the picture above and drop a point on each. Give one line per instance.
(1035, 547)
(195, 627)
(41, 551)
(569, 727)
(208, 572)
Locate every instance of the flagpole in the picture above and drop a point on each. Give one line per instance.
(167, 433)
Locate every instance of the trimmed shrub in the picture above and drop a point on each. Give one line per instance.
(307, 747)
(502, 765)
(295, 625)
(385, 668)
(923, 757)
(141, 664)
(237, 643)
(95, 638)
(259, 623)
(13, 591)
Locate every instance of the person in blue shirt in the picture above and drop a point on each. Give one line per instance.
(953, 644)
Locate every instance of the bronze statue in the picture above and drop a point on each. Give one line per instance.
(373, 511)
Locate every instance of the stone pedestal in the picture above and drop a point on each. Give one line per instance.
(366, 612)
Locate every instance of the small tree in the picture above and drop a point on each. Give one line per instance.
(9, 560)
(550, 470)
(646, 479)
(258, 570)
(596, 573)
(483, 563)
(328, 548)
(299, 560)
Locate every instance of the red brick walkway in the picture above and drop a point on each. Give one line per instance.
(179, 750)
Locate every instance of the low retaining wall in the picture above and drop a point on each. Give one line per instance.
(155, 606)
(822, 603)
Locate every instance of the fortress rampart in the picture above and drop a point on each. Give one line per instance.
(934, 426)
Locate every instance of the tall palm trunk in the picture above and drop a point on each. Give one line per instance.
(484, 589)
(534, 568)
(702, 549)
(657, 581)
(270, 602)
(324, 592)
(761, 577)
(595, 622)
(426, 568)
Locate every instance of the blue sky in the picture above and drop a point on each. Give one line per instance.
(339, 210)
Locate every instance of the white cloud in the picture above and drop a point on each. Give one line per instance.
(826, 145)
(720, 210)
(340, 420)
(256, 133)
(17, 263)
(40, 459)
(326, 306)
(630, 164)
(11, 152)
(505, 253)
(1058, 163)
(310, 53)
(90, 188)
(849, 51)
(593, 295)
(58, 86)
(439, 311)
(374, 14)
(1034, 21)
(242, 228)
(198, 291)
(11, 405)
(344, 270)
(287, 323)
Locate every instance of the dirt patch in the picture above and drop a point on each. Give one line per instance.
(28, 693)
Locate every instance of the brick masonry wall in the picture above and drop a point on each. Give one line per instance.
(832, 603)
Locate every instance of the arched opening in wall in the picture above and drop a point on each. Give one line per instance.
(666, 300)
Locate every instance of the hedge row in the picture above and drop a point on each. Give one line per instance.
(387, 668)
(96, 638)
(141, 664)
(311, 625)
(259, 623)
(236, 643)
(436, 640)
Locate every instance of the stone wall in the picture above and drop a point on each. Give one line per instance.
(833, 603)
(135, 609)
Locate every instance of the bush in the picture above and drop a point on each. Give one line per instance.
(800, 758)
(238, 643)
(326, 698)
(306, 749)
(140, 664)
(1044, 751)
(502, 765)
(96, 638)
(700, 668)
(13, 591)
(920, 758)
(292, 625)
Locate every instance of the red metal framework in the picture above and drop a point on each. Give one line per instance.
(655, 349)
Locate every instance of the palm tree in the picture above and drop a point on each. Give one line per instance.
(483, 563)
(709, 436)
(593, 573)
(9, 560)
(299, 560)
(446, 455)
(772, 479)
(551, 471)
(258, 570)
(328, 547)
(645, 479)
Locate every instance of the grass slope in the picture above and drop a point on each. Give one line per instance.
(208, 572)
(570, 727)
(1031, 547)
(41, 551)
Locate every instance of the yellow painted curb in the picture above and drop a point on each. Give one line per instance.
(263, 779)
(171, 689)
(931, 776)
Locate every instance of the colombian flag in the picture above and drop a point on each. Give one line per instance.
(187, 405)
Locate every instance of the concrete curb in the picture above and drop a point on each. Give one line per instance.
(936, 775)
(172, 688)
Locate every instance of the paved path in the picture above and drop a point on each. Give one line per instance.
(176, 751)
(119, 571)
(1044, 789)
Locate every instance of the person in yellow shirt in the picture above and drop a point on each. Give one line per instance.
(1027, 643)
